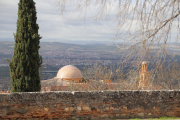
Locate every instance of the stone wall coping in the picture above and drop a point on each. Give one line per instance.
(95, 91)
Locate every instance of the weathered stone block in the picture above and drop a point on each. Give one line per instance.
(149, 114)
(79, 108)
(46, 109)
(123, 115)
(170, 113)
(111, 108)
(9, 112)
(71, 108)
(106, 109)
(141, 114)
(22, 111)
(86, 108)
(105, 116)
(93, 108)
(124, 107)
(2, 113)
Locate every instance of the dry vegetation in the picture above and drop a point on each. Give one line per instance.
(166, 77)
(146, 28)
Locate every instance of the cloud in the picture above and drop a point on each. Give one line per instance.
(70, 25)
(54, 26)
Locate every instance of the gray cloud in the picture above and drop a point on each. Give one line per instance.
(52, 25)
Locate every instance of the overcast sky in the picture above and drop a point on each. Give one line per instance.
(53, 26)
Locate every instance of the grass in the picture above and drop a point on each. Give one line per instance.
(161, 118)
(164, 118)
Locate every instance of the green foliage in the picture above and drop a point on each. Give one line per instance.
(24, 67)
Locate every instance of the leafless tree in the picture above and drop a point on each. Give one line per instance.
(147, 24)
(97, 72)
(146, 27)
(168, 76)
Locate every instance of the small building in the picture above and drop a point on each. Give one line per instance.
(144, 76)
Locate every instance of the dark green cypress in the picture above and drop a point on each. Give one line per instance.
(24, 67)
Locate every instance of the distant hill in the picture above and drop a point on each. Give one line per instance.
(77, 42)
(58, 46)
(6, 45)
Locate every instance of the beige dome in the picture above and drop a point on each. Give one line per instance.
(144, 62)
(70, 72)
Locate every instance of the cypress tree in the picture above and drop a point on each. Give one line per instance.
(24, 67)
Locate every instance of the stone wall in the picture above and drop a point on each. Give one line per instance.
(83, 105)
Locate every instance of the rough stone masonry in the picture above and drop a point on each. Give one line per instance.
(83, 105)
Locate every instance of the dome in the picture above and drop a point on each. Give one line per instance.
(144, 62)
(70, 72)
